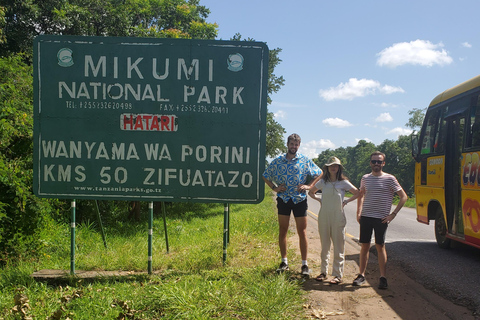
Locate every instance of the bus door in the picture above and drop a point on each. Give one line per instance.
(453, 154)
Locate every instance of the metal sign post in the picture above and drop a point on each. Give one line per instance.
(150, 237)
(226, 230)
(72, 238)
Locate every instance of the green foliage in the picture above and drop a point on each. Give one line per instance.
(275, 143)
(138, 18)
(2, 25)
(416, 118)
(356, 160)
(399, 161)
(190, 282)
(21, 213)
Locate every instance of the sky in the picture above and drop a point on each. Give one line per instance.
(354, 69)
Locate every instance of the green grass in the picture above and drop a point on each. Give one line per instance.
(189, 282)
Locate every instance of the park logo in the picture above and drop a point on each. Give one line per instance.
(64, 57)
(235, 62)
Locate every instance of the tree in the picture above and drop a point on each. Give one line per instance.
(275, 143)
(416, 118)
(358, 161)
(24, 20)
(21, 213)
(2, 25)
(20, 23)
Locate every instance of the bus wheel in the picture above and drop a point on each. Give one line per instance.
(441, 231)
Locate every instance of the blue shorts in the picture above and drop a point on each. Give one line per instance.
(299, 209)
(368, 225)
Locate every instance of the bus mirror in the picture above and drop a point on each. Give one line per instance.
(415, 146)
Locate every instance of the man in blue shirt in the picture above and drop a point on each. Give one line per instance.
(287, 176)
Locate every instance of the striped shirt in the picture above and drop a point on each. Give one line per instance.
(379, 191)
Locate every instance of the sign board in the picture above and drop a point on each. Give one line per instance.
(149, 119)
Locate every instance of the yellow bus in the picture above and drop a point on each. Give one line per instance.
(447, 169)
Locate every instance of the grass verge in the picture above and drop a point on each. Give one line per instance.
(189, 282)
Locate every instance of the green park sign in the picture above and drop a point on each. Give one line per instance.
(149, 119)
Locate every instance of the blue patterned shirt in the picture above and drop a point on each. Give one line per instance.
(291, 173)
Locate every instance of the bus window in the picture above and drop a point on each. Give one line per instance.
(440, 136)
(433, 135)
(474, 134)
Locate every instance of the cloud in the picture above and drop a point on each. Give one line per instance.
(400, 131)
(280, 114)
(312, 148)
(466, 45)
(384, 117)
(355, 88)
(387, 105)
(418, 52)
(336, 122)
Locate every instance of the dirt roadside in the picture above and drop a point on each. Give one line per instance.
(404, 299)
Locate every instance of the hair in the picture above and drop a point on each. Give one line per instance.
(378, 153)
(326, 174)
(294, 137)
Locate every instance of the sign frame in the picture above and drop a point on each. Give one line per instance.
(149, 119)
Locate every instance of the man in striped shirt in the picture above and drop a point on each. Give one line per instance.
(373, 213)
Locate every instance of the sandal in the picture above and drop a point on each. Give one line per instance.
(336, 280)
(321, 277)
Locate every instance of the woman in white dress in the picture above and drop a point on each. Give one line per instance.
(331, 218)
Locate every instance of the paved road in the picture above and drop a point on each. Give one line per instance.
(453, 273)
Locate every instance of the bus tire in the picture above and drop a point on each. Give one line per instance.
(441, 231)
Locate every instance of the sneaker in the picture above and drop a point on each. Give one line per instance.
(305, 271)
(359, 280)
(283, 267)
(383, 283)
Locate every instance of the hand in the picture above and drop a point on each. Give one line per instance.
(303, 188)
(281, 188)
(389, 218)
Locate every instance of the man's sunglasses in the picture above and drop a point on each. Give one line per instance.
(376, 161)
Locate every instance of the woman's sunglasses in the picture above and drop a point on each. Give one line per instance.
(376, 161)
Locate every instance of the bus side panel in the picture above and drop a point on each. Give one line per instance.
(421, 204)
(471, 215)
(436, 171)
(432, 186)
(426, 194)
(471, 197)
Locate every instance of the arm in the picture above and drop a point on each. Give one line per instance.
(403, 198)
(312, 193)
(361, 193)
(274, 187)
(305, 187)
(355, 193)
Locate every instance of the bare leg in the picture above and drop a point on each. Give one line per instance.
(301, 223)
(382, 259)
(283, 222)
(364, 253)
